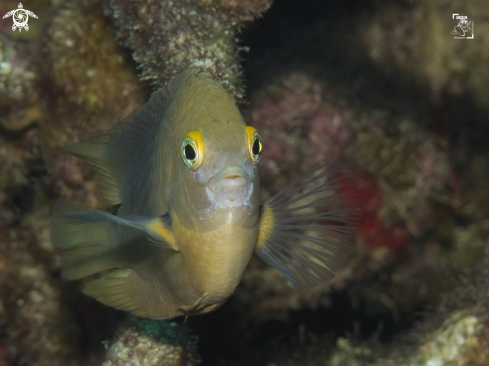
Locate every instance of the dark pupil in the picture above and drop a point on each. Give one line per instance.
(256, 147)
(189, 152)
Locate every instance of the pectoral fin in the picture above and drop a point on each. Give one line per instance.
(88, 248)
(307, 230)
(200, 306)
(157, 229)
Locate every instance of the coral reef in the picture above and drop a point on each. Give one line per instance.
(313, 130)
(38, 328)
(416, 38)
(144, 342)
(414, 161)
(87, 67)
(13, 178)
(455, 334)
(19, 98)
(167, 37)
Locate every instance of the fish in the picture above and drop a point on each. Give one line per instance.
(179, 183)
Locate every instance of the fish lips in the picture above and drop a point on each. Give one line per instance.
(230, 183)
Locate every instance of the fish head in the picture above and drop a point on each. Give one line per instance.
(231, 173)
(216, 170)
(220, 178)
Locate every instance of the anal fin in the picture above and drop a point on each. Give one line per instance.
(115, 289)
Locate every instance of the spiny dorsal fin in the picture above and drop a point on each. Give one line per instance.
(137, 148)
(110, 153)
(91, 152)
(128, 146)
(124, 157)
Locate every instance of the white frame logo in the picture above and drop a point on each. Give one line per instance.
(463, 28)
(20, 17)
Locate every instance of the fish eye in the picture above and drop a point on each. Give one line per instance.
(256, 149)
(192, 149)
(189, 152)
(255, 144)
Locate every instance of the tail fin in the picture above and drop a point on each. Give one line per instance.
(87, 245)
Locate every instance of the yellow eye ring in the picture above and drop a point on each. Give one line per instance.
(192, 149)
(255, 144)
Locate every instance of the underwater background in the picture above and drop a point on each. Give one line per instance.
(382, 86)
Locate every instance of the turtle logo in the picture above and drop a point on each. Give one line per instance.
(20, 17)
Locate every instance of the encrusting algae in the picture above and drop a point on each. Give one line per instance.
(168, 37)
(146, 342)
(181, 177)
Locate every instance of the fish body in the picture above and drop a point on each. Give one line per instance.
(183, 172)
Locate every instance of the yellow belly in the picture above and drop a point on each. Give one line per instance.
(215, 260)
(200, 276)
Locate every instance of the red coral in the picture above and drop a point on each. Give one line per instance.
(372, 229)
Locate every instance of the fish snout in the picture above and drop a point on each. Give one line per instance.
(230, 183)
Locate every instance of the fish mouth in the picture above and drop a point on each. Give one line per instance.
(230, 183)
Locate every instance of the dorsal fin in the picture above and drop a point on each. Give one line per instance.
(124, 157)
(110, 153)
(90, 152)
(140, 147)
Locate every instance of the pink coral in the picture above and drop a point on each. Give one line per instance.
(300, 128)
